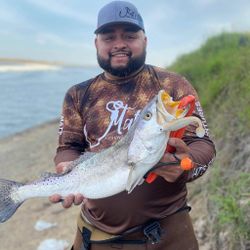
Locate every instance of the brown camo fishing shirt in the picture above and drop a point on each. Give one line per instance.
(95, 115)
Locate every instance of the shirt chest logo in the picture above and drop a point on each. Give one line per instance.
(117, 118)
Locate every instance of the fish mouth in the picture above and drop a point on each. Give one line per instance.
(167, 108)
(171, 115)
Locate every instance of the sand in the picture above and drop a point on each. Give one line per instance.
(24, 157)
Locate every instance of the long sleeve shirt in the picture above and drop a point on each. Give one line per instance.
(98, 112)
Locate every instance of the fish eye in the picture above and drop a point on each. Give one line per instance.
(148, 116)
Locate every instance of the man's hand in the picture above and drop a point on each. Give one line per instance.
(172, 173)
(70, 199)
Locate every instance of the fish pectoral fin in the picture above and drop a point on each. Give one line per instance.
(133, 180)
(141, 181)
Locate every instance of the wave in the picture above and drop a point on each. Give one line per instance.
(28, 67)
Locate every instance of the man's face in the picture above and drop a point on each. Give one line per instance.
(121, 49)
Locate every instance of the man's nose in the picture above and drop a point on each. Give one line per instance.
(120, 43)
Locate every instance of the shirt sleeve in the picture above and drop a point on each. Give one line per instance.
(202, 150)
(71, 141)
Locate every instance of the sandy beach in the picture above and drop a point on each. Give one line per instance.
(27, 67)
(24, 157)
(23, 65)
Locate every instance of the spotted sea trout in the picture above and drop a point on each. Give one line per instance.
(113, 170)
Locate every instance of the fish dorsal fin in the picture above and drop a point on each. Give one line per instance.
(46, 175)
(82, 158)
(87, 155)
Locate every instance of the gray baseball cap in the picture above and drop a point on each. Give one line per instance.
(119, 12)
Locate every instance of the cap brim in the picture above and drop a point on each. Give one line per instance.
(103, 27)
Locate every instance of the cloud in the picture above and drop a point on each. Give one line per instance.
(166, 55)
(11, 18)
(204, 3)
(243, 21)
(51, 38)
(159, 15)
(64, 29)
(212, 28)
(64, 8)
(65, 50)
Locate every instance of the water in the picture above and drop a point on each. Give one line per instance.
(31, 98)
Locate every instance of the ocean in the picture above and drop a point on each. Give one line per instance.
(30, 98)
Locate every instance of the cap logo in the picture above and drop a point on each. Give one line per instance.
(118, 12)
(127, 12)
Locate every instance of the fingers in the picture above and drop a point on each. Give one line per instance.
(172, 172)
(179, 145)
(182, 150)
(71, 199)
(78, 199)
(169, 173)
(167, 157)
(55, 198)
(68, 200)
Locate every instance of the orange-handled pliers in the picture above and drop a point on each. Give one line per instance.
(188, 103)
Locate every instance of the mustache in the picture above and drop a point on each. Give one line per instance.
(127, 52)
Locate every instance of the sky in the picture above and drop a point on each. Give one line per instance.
(63, 30)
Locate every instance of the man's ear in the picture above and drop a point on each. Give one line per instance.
(96, 42)
(146, 40)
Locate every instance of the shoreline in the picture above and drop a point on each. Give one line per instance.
(43, 125)
(28, 148)
(26, 65)
(20, 65)
(4, 68)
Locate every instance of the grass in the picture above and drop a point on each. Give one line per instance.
(231, 199)
(220, 72)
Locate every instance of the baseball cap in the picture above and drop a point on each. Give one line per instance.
(119, 12)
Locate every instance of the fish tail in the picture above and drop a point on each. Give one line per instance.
(8, 205)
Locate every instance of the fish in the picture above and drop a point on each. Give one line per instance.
(118, 168)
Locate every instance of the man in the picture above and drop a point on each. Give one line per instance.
(98, 112)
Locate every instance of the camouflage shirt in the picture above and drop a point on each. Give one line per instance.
(98, 112)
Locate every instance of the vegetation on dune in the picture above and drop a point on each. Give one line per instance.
(220, 72)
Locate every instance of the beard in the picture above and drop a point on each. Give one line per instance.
(132, 66)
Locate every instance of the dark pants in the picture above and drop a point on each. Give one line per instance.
(178, 234)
